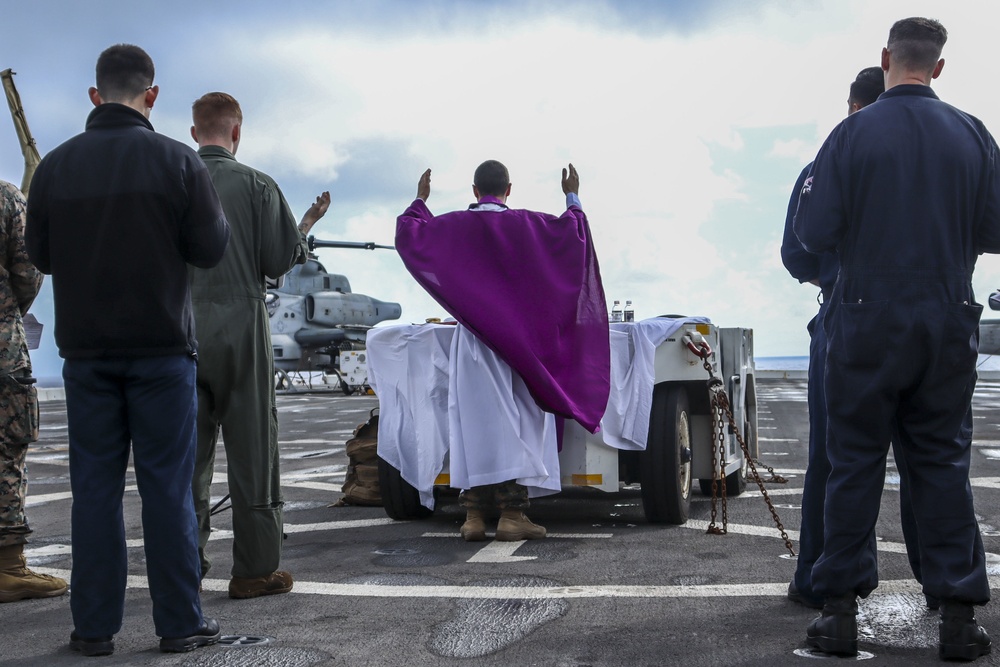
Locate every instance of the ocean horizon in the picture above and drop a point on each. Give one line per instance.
(987, 362)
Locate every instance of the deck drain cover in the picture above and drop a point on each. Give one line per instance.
(810, 653)
(242, 641)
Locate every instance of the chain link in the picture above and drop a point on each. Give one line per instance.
(718, 464)
(720, 405)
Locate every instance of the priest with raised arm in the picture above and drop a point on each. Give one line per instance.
(531, 346)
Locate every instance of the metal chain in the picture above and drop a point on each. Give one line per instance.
(720, 403)
(777, 479)
(718, 479)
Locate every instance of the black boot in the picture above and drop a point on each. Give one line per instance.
(836, 631)
(960, 637)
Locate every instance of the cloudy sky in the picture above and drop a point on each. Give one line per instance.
(688, 121)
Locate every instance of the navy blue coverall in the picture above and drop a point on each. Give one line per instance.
(808, 267)
(908, 193)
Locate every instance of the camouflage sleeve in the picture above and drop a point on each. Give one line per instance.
(23, 278)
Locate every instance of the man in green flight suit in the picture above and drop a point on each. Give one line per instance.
(235, 366)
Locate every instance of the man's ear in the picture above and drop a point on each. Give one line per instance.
(194, 134)
(151, 96)
(95, 96)
(885, 59)
(236, 133)
(937, 69)
(507, 194)
(475, 192)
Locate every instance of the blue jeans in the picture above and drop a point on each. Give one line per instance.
(148, 405)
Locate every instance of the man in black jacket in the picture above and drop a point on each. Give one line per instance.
(116, 215)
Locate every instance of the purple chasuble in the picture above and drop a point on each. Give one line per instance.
(528, 285)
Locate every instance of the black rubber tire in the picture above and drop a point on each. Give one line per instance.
(665, 469)
(400, 499)
(739, 485)
(736, 483)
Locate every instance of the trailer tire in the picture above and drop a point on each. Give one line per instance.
(665, 469)
(400, 499)
(750, 440)
(736, 482)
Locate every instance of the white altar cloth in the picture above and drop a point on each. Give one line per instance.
(442, 392)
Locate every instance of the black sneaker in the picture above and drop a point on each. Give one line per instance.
(206, 635)
(91, 647)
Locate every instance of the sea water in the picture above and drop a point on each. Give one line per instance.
(987, 362)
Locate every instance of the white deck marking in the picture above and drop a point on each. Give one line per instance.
(533, 592)
(335, 525)
(563, 536)
(499, 552)
(32, 500)
(292, 478)
(223, 534)
(306, 441)
(503, 552)
(319, 486)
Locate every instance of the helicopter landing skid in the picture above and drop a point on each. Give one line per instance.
(299, 382)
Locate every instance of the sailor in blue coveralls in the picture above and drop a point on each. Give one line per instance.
(821, 270)
(908, 194)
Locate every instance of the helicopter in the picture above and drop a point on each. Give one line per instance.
(319, 325)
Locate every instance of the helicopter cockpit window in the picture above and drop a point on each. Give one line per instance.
(271, 302)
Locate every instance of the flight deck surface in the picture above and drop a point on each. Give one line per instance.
(605, 588)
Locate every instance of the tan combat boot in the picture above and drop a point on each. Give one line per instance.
(514, 527)
(17, 582)
(474, 528)
(276, 583)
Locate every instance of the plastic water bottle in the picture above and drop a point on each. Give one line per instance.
(629, 312)
(616, 311)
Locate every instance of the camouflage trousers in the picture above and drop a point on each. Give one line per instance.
(14, 437)
(503, 496)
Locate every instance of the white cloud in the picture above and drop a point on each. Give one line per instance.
(799, 150)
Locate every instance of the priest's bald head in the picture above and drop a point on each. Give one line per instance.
(491, 180)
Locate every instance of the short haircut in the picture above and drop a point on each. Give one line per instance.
(869, 84)
(916, 43)
(124, 71)
(491, 179)
(215, 114)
